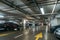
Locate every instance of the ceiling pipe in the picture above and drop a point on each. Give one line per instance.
(10, 9)
(45, 3)
(13, 14)
(17, 7)
(48, 1)
(46, 14)
(54, 7)
(36, 4)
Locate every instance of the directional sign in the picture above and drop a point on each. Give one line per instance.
(39, 36)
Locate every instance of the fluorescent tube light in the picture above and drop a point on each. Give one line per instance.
(42, 10)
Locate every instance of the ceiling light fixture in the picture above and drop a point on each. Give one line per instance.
(42, 10)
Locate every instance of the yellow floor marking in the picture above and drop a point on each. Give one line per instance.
(5, 34)
(39, 36)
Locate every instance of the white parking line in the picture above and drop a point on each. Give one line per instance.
(18, 36)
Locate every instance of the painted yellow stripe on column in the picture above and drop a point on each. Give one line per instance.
(39, 36)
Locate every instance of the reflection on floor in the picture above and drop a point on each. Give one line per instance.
(28, 35)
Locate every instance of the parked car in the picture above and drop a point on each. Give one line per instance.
(2, 26)
(57, 33)
(53, 28)
(11, 26)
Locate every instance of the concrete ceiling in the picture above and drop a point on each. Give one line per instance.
(30, 8)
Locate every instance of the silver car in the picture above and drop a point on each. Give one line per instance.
(57, 32)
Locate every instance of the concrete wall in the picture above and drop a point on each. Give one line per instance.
(55, 21)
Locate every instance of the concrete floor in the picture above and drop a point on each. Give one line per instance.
(25, 35)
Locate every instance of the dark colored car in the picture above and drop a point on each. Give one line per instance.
(2, 26)
(11, 26)
(56, 31)
(52, 29)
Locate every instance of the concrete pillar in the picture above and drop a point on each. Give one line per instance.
(24, 23)
(33, 26)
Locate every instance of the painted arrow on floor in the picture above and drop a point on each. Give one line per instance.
(38, 36)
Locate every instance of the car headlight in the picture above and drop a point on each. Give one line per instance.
(15, 29)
